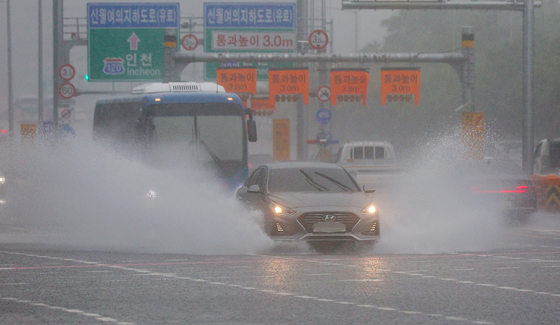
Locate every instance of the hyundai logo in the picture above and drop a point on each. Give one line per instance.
(328, 217)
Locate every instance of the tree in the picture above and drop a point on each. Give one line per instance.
(498, 71)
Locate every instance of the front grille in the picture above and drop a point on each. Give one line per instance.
(307, 220)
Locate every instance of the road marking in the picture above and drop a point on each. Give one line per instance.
(172, 275)
(13, 284)
(362, 280)
(72, 311)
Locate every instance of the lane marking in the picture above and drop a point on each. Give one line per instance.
(71, 311)
(147, 272)
(13, 284)
(522, 290)
(98, 264)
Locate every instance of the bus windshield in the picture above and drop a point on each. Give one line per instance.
(203, 132)
(217, 137)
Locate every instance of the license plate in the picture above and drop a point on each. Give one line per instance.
(329, 227)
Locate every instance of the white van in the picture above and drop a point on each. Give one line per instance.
(367, 156)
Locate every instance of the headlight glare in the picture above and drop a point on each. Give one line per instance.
(369, 210)
(281, 210)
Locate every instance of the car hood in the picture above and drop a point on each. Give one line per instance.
(296, 200)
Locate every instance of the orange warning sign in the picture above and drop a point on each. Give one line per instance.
(237, 80)
(262, 103)
(473, 134)
(287, 82)
(398, 84)
(281, 139)
(349, 85)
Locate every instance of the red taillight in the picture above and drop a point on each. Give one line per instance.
(4, 131)
(519, 189)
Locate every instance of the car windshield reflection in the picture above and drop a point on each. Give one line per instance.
(311, 180)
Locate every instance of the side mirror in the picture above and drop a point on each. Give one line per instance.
(252, 130)
(255, 188)
(367, 190)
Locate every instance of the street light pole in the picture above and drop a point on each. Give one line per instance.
(40, 62)
(10, 86)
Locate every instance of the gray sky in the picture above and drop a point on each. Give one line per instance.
(24, 19)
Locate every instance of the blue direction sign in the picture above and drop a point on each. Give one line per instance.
(249, 15)
(323, 116)
(125, 40)
(133, 15)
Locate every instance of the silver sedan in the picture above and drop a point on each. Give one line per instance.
(314, 202)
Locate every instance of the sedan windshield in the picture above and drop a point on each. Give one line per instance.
(311, 180)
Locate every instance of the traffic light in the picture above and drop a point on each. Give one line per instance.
(86, 77)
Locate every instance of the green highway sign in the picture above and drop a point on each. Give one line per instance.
(125, 54)
(126, 40)
(249, 27)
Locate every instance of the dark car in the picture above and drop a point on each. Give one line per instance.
(501, 185)
(311, 201)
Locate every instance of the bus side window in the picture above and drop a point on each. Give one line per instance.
(379, 153)
(358, 152)
(368, 152)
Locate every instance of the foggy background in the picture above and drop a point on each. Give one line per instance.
(498, 72)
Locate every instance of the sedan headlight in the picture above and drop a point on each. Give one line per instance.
(278, 209)
(370, 210)
(2, 178)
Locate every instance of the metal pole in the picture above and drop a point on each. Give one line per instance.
(528, 131)
(467, 79)
(10, 86)
(40, 63)
(302, 32)
(356, 31)
(57, 40)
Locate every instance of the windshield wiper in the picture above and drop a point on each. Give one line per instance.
(312, 182)
(207, 148)
(337, 183)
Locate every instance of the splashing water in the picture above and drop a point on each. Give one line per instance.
(87, 196)
(426, 209)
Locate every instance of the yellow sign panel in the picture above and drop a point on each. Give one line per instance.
(281, 139)
(473, 134)
(28, 132)
(324, 154)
